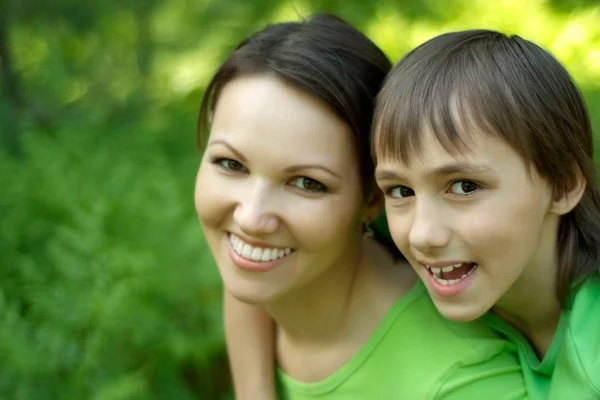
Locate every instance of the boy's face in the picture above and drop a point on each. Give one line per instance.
(472, 224)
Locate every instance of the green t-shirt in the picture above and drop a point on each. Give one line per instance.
(571, 367)
(417, 354)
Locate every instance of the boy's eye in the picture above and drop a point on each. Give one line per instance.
(309, 184)
(463, 188)
(400, 192)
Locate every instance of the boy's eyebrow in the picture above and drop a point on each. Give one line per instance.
(446, 169)
(387, 175)
(460, 167)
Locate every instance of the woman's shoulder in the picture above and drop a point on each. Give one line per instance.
(417, 323)
(452, 357)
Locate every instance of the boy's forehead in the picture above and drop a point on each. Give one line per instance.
(429, 147)
(481, 153)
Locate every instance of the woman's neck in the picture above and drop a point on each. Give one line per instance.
(318, 311)
(322, 327)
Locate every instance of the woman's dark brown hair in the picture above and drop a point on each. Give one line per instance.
(326, 58)
(511, 88)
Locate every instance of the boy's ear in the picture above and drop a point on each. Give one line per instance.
(566, 202)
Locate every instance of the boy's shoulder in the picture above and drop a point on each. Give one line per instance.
(578, 362)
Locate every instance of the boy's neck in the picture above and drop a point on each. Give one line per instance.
(532, 305)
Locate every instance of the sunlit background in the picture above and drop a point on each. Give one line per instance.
(107, 290)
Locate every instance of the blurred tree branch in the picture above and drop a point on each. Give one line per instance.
(12, 87)
(10, 81)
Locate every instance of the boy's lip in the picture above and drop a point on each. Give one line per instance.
(442, 264)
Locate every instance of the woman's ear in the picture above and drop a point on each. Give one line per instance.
(375, 204)
(566, 202)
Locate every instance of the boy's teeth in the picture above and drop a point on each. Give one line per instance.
(450, 268)
(256, 253)
(436, 274)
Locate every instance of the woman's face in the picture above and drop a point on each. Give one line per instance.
(278, 191)
(471, 224)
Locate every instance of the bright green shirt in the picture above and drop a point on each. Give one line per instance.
(571, 367)
(416, 354)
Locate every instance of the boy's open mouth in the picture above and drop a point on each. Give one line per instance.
(452, 274)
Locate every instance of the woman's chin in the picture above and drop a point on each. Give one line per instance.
(250, 293)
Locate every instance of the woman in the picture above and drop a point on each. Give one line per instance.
(284, 193)
(484, 151)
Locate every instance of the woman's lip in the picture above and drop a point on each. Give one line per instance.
(253, 266)
(255, 243)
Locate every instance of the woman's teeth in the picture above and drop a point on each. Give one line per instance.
(253, 253)
(437, 273)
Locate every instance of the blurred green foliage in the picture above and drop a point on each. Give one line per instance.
(107, 290)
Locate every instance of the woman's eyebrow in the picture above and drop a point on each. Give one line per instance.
(230, 147)
(299, 167)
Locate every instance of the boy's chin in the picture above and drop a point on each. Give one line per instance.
(460, 312)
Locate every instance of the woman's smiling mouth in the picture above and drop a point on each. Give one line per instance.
(256, 258)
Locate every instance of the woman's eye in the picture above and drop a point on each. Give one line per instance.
(230, 165)
(309, 184)
(400, 192)
(463, 188)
